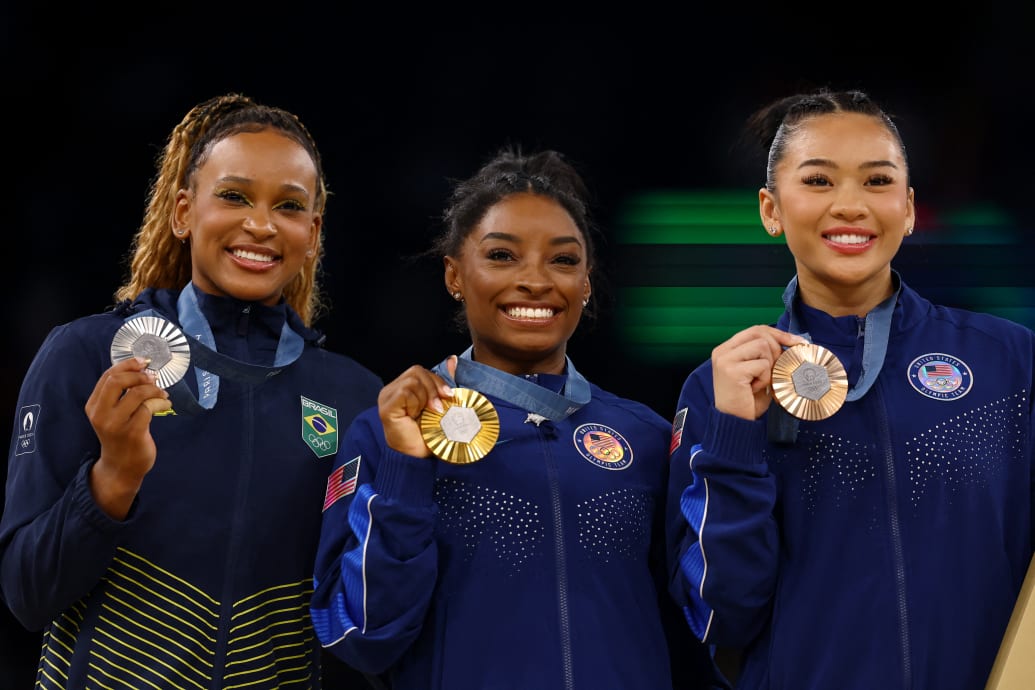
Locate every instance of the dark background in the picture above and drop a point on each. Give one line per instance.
(399, 107)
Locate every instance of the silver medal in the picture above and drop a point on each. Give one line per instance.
(158, 340)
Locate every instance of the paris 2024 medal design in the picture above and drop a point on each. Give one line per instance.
(466, 429)
(809, 382)
(157, 340)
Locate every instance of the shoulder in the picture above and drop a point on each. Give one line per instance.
(74, 352)
(980, 324)
(640, 411)
(955, 330)
(343, 362)
(916, 308)
(85, 331)
(366, 427)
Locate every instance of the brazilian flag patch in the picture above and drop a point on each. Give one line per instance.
(319, 427)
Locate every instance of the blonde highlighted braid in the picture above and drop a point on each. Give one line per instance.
(157, 259)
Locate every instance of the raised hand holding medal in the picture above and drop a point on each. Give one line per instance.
(465, 431)
(423, 415)
(158, 341)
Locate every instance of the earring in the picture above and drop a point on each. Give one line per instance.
(458, 296)
(773, 230)
(909, 230)
(310, 253)
(585, 302)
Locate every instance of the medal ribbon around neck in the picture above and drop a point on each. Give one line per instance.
(518, 391)
(210, 365)
(782, 427)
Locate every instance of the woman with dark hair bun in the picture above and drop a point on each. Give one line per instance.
(851, 489)
(498, 522)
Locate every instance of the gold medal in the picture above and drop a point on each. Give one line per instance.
(465, 431)
(155, 339)
(809, 382)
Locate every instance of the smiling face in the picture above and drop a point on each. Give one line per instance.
(249, 216)
(843, 202)
(523, 275)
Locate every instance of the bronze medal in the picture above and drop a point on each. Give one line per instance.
(157, 340)
(465, 431)
(809, 382)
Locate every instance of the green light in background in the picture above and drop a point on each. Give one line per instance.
(687, 322)
(698, 267)
(977, 224)
(672, 217)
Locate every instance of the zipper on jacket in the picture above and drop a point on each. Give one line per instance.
(547, 432)
(242, 320)
(895, 525)
(238, 526)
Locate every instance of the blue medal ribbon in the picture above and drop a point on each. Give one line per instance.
(782, 427)
(521, 392)
(210, 365)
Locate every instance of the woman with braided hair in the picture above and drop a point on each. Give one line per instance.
(170, 455)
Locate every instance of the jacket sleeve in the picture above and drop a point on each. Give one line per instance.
(377, 561)
(723, 542)
(55, 542)
(692, 661)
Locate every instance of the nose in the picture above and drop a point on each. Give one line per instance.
(849, 203)
(258, 222)
(534, 279)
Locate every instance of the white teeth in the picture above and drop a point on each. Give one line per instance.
(849, 239)
(526, 313)
(252, 256)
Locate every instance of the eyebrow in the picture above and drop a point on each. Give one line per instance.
(290, 186)
(826, 163)
(507, 237)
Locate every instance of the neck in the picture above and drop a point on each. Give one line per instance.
(846, 300)
(555, 363)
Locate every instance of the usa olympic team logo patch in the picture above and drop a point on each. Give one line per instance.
(603, 446)
(940, 376)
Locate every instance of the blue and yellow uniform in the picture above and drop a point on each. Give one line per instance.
(207, 583)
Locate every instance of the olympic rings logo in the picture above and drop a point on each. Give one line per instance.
(319, 443)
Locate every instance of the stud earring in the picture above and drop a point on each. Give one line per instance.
(773, 230)
(310, 253)
(909, 230)
(585, 302)
(458, 296)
